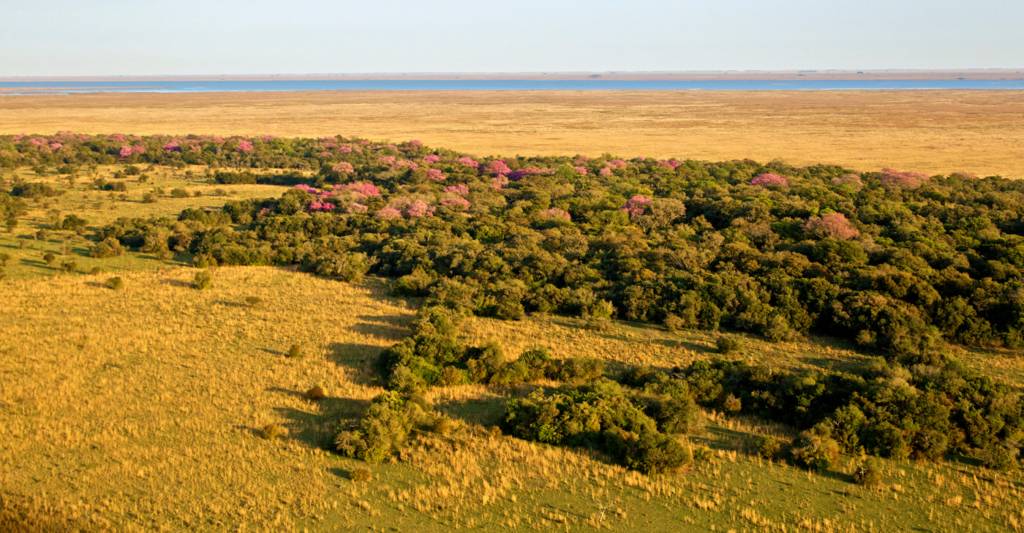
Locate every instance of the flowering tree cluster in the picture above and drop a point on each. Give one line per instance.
(832, 225)
(637, 205)
(902, 179)
(770, 179)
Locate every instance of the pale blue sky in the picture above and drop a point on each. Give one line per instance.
(141, 37)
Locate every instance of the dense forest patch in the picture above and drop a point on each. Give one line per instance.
(893, 260)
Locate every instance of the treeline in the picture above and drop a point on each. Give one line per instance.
(892, 260)
(632, 416)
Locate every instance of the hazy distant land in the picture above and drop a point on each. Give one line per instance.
(980, 132)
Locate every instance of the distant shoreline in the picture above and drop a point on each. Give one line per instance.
(725, 75)
(22, 88)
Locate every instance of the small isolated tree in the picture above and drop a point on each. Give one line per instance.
(295, 351)
(867, 473)
(202, 280)
(114, 283)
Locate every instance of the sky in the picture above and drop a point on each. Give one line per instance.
(158, 37)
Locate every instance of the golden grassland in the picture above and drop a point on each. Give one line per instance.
(140, 409)
(980, 132)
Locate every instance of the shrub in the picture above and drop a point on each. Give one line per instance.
(109, 247)
(295, 351)
(726, 345)
(600, 417)
(114, 283)
(273, 431)
(360, 475)
(814, 450)
(732, 404)
(383, 429)
(766, 447)
(202, 280)
(316, 393)
(866, 473)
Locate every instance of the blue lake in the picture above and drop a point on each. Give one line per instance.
(179, 86)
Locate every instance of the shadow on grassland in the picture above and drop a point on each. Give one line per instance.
(317, 425)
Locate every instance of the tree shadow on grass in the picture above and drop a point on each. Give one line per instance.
(481, 411)
(317, 425)
(360, 361)
(381, 330)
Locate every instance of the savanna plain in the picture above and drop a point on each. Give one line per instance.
(208, 324)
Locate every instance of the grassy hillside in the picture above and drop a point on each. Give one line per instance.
(143, 407)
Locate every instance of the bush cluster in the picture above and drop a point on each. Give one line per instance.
(924, 412)
(602, 417)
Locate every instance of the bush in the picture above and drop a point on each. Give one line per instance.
(202, 280)
(726, 345)
(273, 431)
(814, 450)
(601, 417)
(866, 473)
(316, 393)
(114, 283)
(383, 430)
(766, 447)
(360, 475)
(295, 351)
(109, 247)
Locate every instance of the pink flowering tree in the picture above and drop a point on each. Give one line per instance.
(770, 180)
(454, 201)
(430, 159)
(637, 205)
(362, 189)
(555, 214)
(832, 225)
(418, 209)
(435, 174)
(582, 170)
(498, 168)
(343, 167)
(902, 179)
(849, 180)
(499, 182)
(467, 161)
(389, 213)
(245, 146)
(319, 205)
(460, 189)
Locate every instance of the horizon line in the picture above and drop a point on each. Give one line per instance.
(890, 73)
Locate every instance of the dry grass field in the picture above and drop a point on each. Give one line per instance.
(980, 132)
(140, 409)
